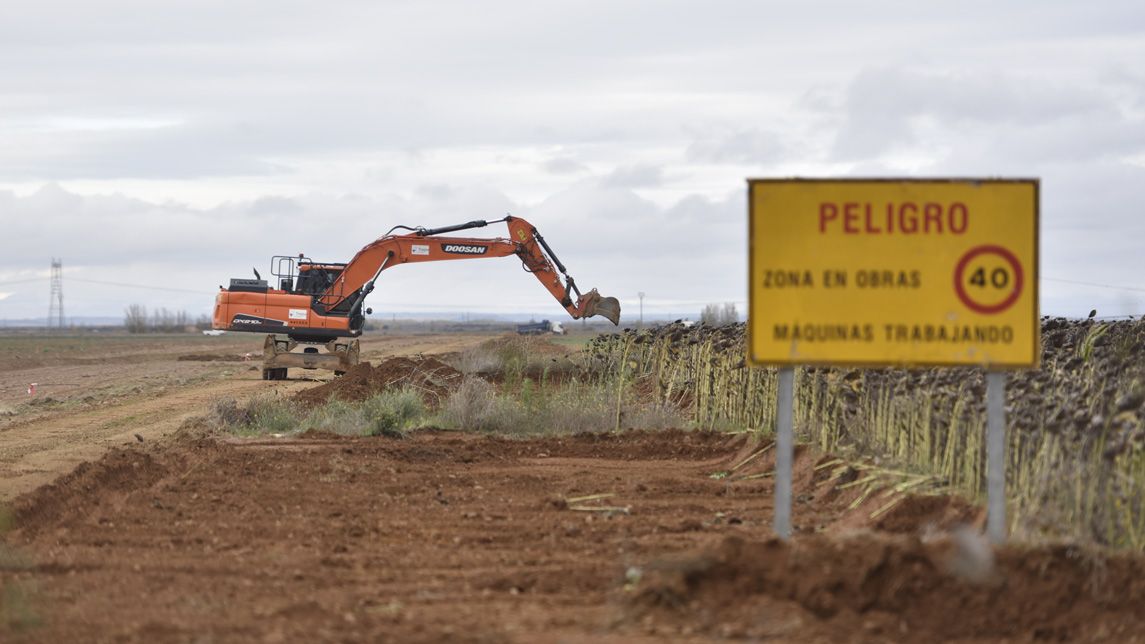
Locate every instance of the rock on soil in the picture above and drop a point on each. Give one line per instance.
(430, 377)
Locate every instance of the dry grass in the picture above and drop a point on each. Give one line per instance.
(536, 410)
(512, 359)
(389, 413)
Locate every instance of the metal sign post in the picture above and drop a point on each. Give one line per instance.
(996, 456)
(784, 451)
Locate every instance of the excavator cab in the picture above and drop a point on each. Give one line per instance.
(302, 276)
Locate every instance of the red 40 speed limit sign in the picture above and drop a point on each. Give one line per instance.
(894, 272)
(976, 287)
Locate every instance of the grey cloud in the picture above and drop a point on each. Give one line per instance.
(114, 231)
(635, 176)
(883, 105)
(699, 210)
(273, 206)
(175, 151)
(620, 225)
(742, 146)
(563, 165)
(437, 191)
(253, 89)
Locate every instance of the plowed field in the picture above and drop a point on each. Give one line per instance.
(458, 537)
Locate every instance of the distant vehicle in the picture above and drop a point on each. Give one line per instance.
(213, 332)
(541, 328)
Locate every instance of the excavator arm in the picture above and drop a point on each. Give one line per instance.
(348, 292)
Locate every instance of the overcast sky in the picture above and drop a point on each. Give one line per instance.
(178, 144)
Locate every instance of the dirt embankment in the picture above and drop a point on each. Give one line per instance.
(428, 376)
(870, 587)
(458, 537)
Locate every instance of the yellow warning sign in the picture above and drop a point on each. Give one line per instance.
(893, 272)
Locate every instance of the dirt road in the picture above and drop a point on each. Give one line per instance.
(93, 396)
(456, 537)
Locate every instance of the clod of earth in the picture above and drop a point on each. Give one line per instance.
(430, 377)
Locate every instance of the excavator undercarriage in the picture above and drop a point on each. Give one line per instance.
(278, 355)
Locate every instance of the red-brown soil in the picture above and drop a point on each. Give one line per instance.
(217, 357)
(870, 587)
(430, 377)
(459, 537)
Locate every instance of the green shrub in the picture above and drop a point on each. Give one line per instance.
(470, 406)
(261, 415)
(271, 415)
(225, 413)
(337, 416)
(392, 413)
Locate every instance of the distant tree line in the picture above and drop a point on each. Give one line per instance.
(161, 320)
(719, 315)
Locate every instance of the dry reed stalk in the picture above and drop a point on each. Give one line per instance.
(926, 428)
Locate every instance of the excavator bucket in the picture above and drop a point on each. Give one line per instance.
(606, 307)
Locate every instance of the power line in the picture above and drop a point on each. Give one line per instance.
(106, 283)
(24, 281)
(144, 286)
(1080, 283)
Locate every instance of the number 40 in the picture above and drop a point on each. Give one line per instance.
(999, 278)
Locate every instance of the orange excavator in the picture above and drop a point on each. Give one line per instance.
(324, 303)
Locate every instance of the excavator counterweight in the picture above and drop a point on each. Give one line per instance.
(324, 303)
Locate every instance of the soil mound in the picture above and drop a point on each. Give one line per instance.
(527, 344)
(887, 588)
(431, 377)
(667, 445)
(88, 486)
(512, 358)
(921, 512)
